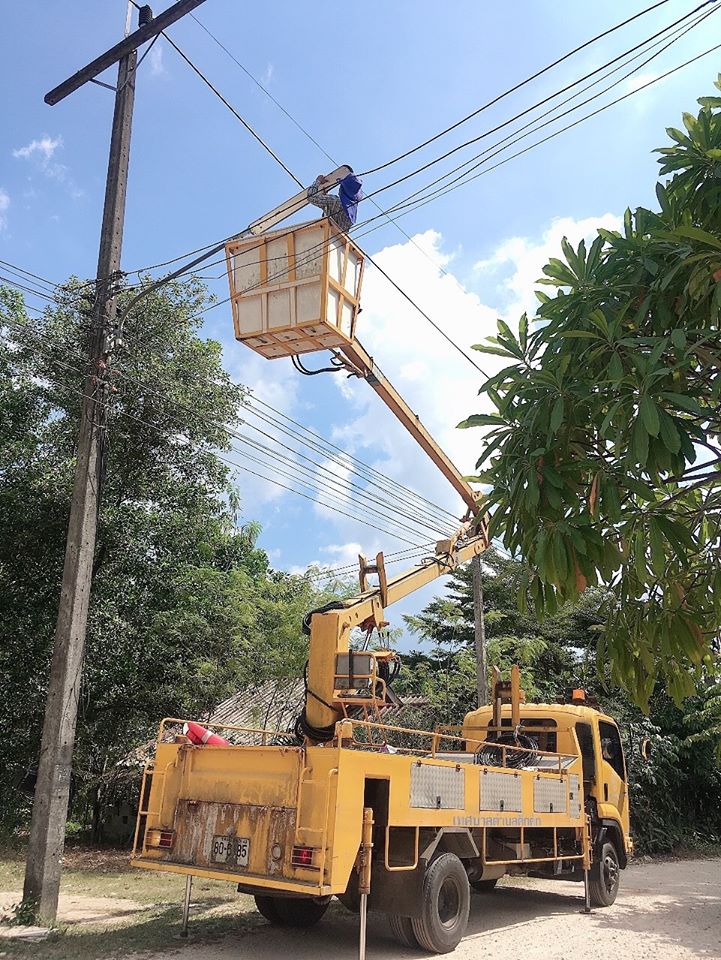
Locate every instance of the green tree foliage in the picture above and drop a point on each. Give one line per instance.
(674, 794)
(553, 653)
(602, 457)
(185, 608)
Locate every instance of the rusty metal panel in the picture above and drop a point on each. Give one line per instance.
(549, 795)
(437, 788)
(197, 822)
(500, 791)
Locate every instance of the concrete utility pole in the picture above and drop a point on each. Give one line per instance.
(480, 634)
(52, 790)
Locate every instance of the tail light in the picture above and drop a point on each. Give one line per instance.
(160, 838)
(302, 856)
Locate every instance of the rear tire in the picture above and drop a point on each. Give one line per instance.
(484, 886)
(605, 877)
(402, 930)
(266, 908)
(446, 902)
(298, 912)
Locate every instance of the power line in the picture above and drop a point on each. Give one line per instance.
(423, 522)
(465, 178)
(376, 506)
(26, 289)
(644, 44)
(386, 213)
(530, 132)
(77, 371)
(261, 87)
(513, 89)
(14, 268)
(375, 476)
(232, 109)
(372, 476)
(300, 184)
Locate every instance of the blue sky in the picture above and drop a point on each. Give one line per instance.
(368, 83)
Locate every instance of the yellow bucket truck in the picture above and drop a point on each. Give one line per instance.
(400, 821)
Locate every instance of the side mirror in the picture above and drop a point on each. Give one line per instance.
(645, 749)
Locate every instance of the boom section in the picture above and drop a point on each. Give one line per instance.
(362, 365)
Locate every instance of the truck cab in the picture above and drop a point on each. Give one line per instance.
(581, 729)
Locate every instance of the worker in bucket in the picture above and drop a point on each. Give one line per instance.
(342, 209)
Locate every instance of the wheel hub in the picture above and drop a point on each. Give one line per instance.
(449, 902)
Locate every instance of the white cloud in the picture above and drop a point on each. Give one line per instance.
(526, 259)
(44, 149)
(639, 80)
(267, 74)
(41, 153)
(344, 554)
(157, 67)
(4, 204)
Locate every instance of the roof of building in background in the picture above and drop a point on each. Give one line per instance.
(274, 706)
(271, 706)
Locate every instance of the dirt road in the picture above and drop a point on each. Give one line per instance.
(665, 911)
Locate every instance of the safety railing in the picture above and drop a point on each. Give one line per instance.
(369, 735)
(171, 727)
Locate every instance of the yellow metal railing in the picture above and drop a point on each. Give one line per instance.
(264, 734)
(379, 734)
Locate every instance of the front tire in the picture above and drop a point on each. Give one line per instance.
(445, 907)
(605, 877)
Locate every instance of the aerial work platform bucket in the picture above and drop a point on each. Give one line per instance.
(295, 290)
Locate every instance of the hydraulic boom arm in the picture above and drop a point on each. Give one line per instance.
(361, 364)
(337, 678)
(330, 630)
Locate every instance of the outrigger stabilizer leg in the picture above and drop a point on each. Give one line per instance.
(364, 879)
(186, 905)
(587, 893)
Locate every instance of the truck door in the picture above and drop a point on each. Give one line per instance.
(613, 770)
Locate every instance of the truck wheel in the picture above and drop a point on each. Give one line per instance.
(402, 929)
(299, 912)
(484, 886)
(446, 902)
(266, 908)
(605, 877)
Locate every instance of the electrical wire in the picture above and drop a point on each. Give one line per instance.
(376, 507)
(25, 289)
(465, 178)
(223, 458)
(513, 89)
(372, 476)
(530, 132)
(232, 109)
(327, 448)
(386, 213)
(14, 268)
(547, 99)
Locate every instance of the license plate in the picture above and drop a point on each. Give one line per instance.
(231, 850)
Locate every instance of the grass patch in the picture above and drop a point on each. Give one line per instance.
(217, 910)
(107, 873)
(154, 930)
